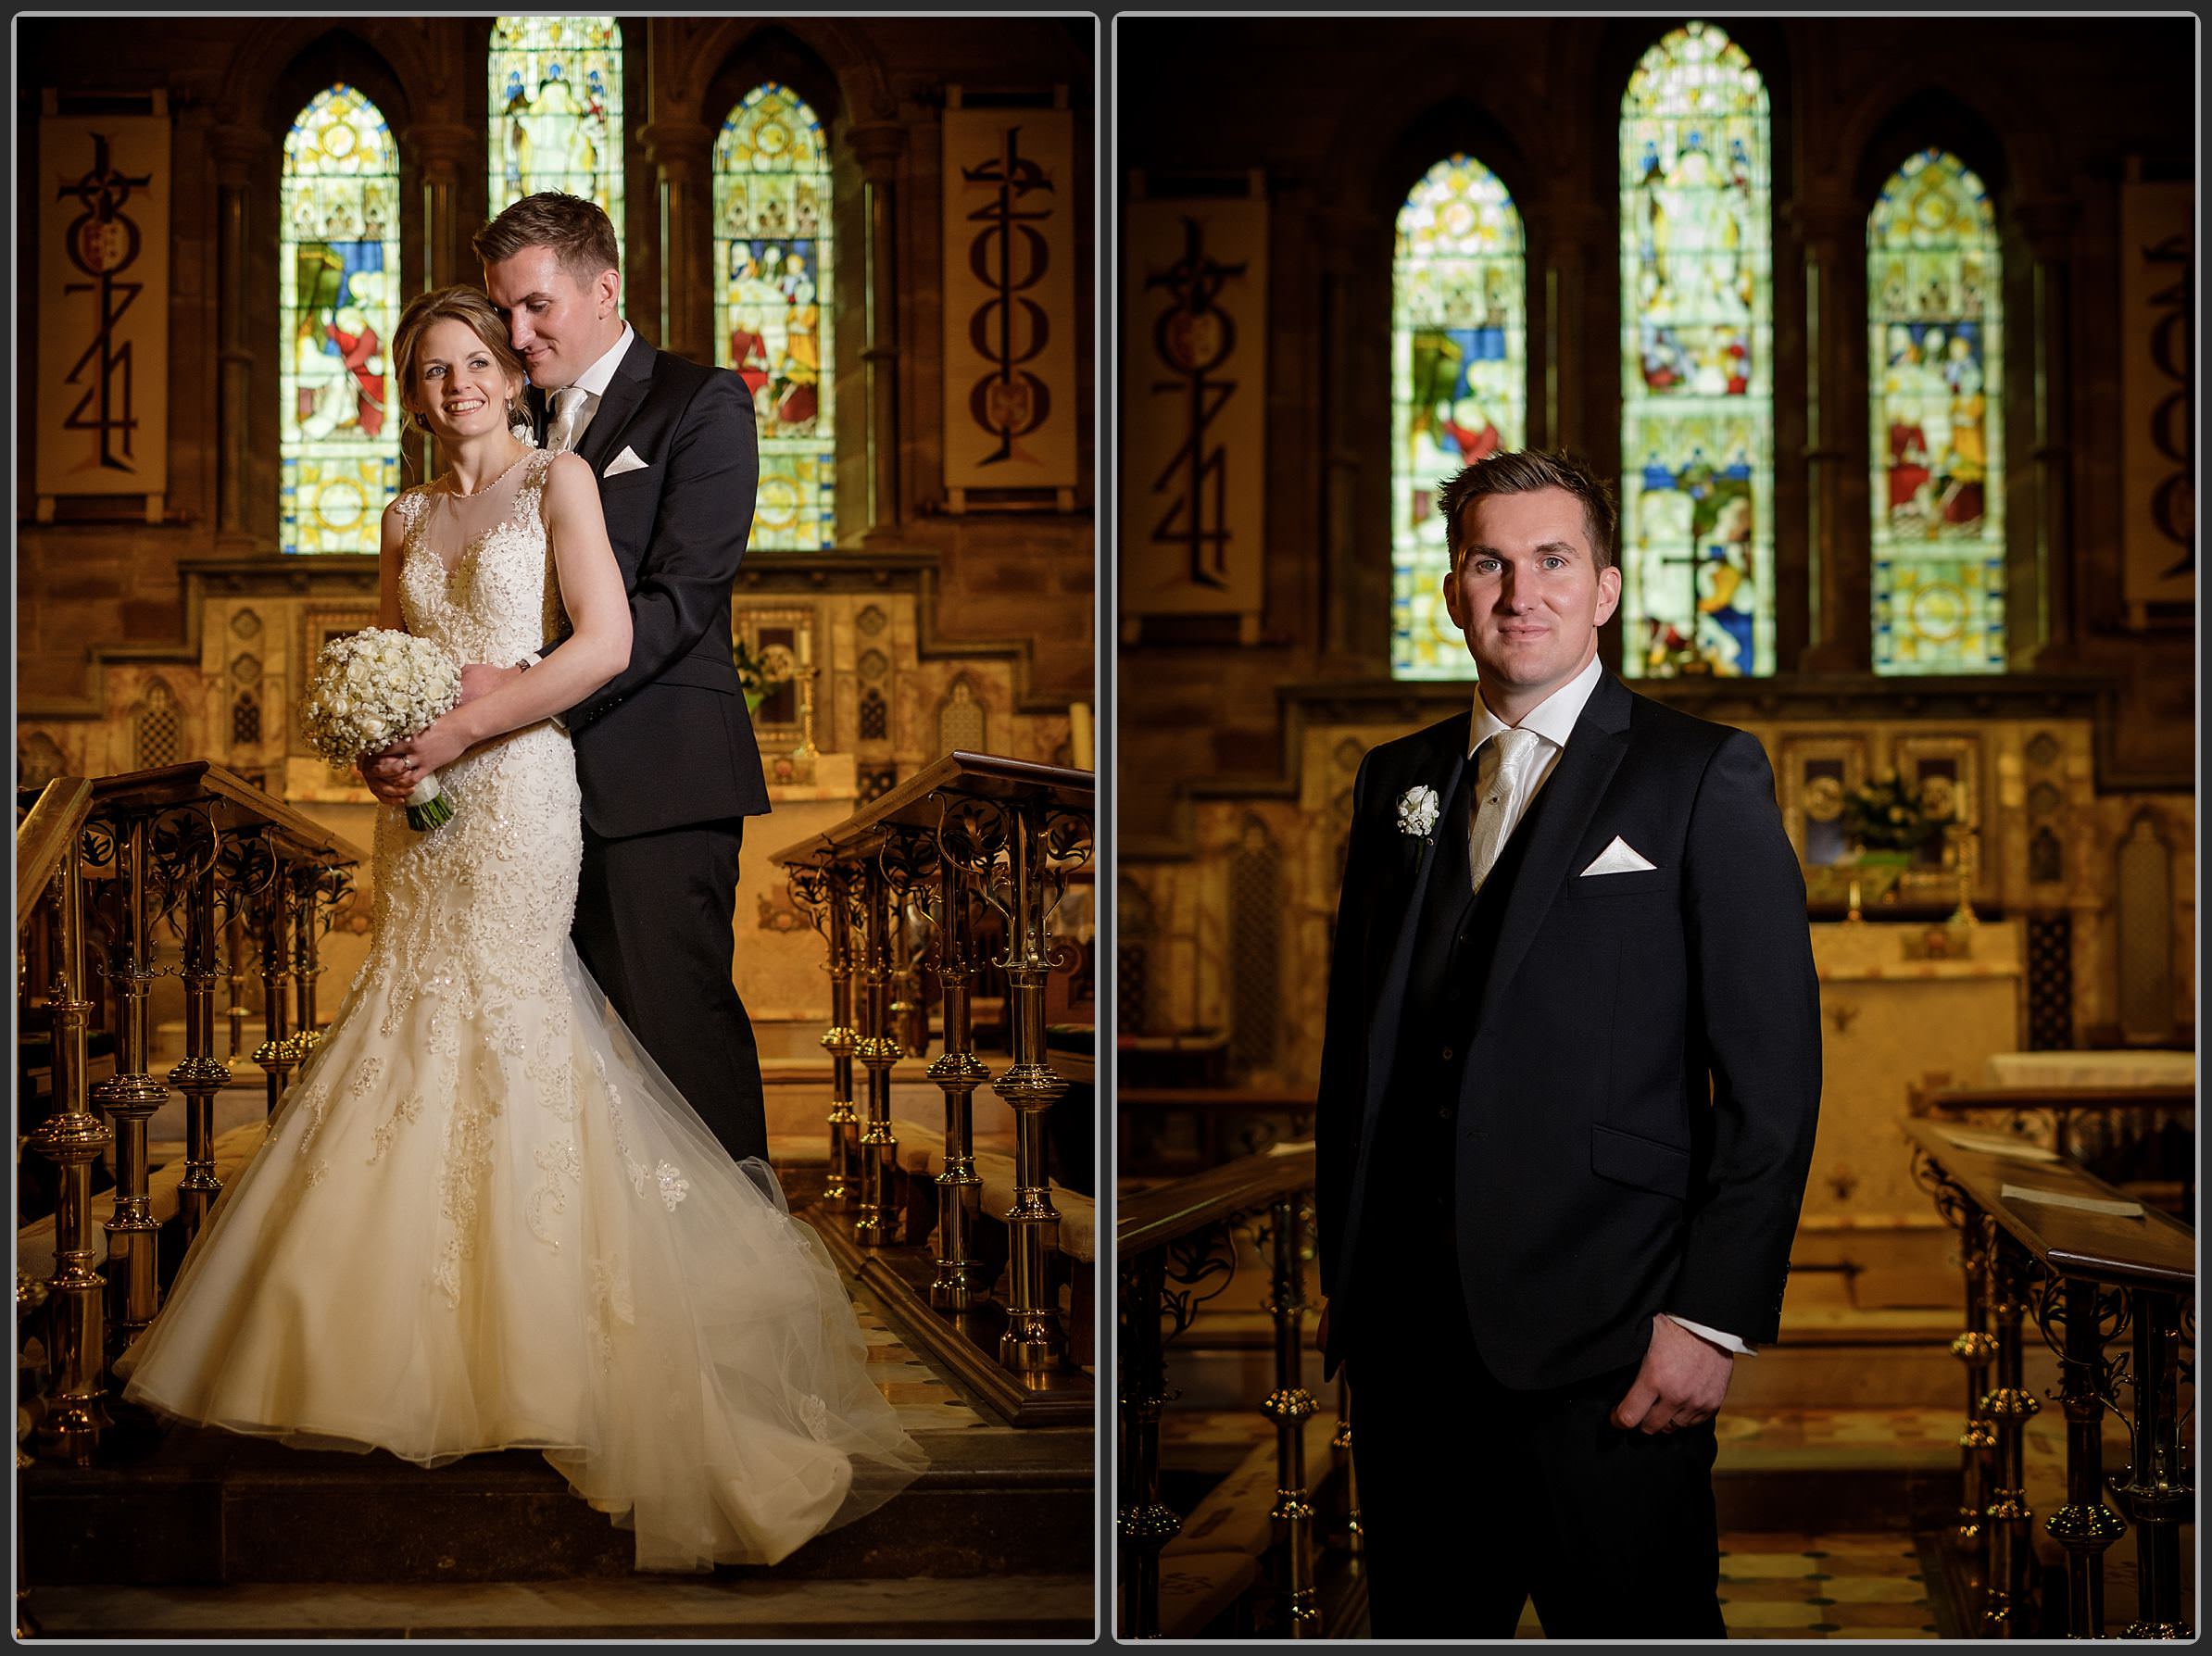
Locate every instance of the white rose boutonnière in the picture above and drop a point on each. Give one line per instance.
(1417, 811)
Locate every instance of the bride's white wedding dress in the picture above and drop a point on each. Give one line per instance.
(484, 1218)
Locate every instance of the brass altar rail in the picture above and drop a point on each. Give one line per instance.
(125, 854)
(2094, 1270)
(970, 833)
(1184, 1231)
(44, 836)
(2086, 1123)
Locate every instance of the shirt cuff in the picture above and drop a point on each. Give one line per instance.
(527, 662)
(1714, 1335)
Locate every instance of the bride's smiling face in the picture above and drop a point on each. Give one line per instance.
(460, 388)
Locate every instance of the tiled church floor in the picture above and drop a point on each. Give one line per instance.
(1776, 1585)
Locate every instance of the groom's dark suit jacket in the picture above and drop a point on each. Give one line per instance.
(1637, 1079)
(668, 741)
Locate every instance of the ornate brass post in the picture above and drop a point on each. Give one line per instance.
(826, 893)
(2085, 1526)
(1354, 1538)
(233, 935)
(2156, 1487)
(310, 886)
(276, 1054)
(965, 856)
(130, 1097)
(1146, 1523)
(877, 1049)
(201, 1075)
(1033, 1343)
(72, 1139)
(1287, 1408)
(1974, 1347)
(2010, 1406)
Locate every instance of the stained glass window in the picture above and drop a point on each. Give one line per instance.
(1697, 374)
(1936, 341)
(1458, 379)
(338, 437)
(557, 110)
(773, 276)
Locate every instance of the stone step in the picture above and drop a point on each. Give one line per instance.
(194, 1507)
(1004, 1607)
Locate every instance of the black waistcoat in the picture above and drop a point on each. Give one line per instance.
(1453, 949)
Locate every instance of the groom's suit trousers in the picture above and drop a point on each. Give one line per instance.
(654, 928)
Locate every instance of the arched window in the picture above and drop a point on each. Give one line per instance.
(773, 304)
(1935, 336)
(1697, 369)
(1458, 378)
(557, 110)
(338, 433)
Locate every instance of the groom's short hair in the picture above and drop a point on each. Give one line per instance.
(1519, 471)
(579, 233)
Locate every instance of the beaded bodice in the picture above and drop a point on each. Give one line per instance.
(477, 575)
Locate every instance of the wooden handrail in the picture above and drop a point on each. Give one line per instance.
(2149, 1251)
(1151, 1219)
(2159, 1096)
(45, 836)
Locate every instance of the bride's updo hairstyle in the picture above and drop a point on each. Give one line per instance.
(456, 304)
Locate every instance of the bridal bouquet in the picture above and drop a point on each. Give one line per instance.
(374, 689)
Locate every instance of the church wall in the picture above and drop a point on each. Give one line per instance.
(1015, 584)
(1341, 117)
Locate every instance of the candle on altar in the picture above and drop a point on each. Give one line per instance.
(806, 646)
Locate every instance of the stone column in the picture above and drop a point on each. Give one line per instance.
(1840, 636)
(878, 146)
(682, 153)
(444, 153)
(235, 150)
(1574, 238)
(1351, 597)
(2045, 621)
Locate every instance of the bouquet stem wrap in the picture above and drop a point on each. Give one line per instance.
(427, 807)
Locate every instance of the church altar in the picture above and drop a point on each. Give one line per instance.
(1887, 1020)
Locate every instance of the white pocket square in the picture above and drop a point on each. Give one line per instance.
(626, 462)
(1619, 858)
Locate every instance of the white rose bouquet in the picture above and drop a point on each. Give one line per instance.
(374, 689)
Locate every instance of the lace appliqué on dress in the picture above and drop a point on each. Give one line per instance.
(557, 1162)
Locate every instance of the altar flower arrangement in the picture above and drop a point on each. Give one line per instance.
(1888, 814)
(375, 687)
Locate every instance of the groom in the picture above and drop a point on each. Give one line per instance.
(1569, 1084)
(665, 754)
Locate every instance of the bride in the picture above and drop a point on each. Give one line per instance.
(482, 1218)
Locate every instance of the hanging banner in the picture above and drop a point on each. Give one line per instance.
(103, 299)
(2159, 393)
(1194, 406)
(1009, 299)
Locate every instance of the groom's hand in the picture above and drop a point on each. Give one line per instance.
(479, 679)
(1681, 1382)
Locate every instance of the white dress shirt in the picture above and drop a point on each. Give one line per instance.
(595, 381)
(1554, 720)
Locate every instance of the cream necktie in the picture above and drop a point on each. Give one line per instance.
(568, 408)
(1494, 812)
